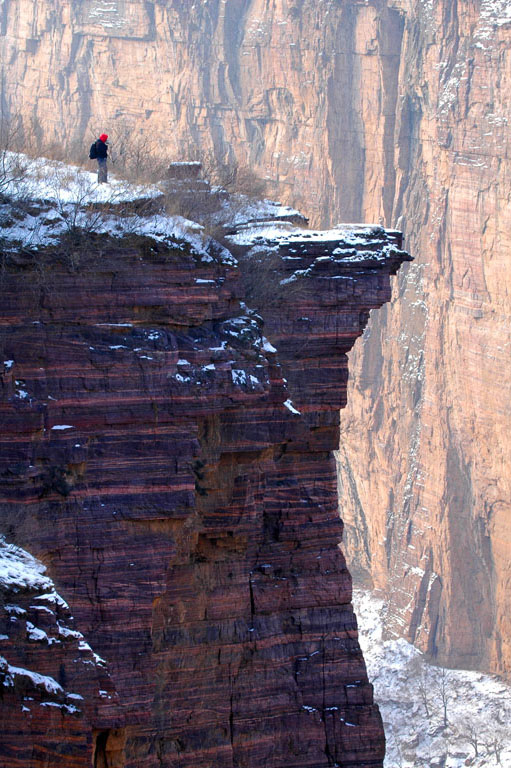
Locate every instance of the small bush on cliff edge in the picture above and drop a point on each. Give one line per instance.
(265, 280)
(13, 168)
(230, 174)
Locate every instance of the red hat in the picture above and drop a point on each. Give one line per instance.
(103, 137)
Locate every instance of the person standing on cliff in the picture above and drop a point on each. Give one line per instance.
(99, 152)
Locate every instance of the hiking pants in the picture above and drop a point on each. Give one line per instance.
(102, 172)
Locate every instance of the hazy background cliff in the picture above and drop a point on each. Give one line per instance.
(392, 111)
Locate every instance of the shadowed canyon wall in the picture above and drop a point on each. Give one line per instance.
(390, 110)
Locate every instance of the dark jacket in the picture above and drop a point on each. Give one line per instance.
(101, 149)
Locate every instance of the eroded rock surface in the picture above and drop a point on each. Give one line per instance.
(391, 110)
(52, 683)
(183, 498)
(428, 515)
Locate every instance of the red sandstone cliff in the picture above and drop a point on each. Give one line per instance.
(393, 110)
(183, 499)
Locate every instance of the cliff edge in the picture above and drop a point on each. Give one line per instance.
(166, 455)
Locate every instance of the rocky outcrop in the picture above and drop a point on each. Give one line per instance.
(52, 684)
(183, 499)
(382, 110)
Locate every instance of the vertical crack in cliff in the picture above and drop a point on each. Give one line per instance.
(231, 726)
(328, 752)
(390, 31)
(356, 536)
(252, 603)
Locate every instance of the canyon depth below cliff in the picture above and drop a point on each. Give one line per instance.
(386, 110)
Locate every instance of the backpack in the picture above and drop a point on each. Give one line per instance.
(93, 151)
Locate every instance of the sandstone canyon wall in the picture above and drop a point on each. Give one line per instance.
(304, 93)
(429, 513)
(183, 498)
(392, 110)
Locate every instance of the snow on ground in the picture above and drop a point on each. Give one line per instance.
(106, 13)
(477, 706)
(44, 199)
(244, 210)
(165, 229)
(50, 180)
(282, 232)
(492, 15)
(51, 198)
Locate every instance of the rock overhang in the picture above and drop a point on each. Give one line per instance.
(171, 439)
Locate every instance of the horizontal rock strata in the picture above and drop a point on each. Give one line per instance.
(375, 110)
(182, 496)
(428, 515)
(52, 684)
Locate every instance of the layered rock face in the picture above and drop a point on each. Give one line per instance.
(52, 683)
(392, 110)
(183, 500)
(428, 516)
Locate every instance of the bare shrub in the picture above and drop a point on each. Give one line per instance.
(445, 692)
(495, 744)
(471, 734)
(14, 168)
(266, 281)
(418, 672)
(16, 524)
(137, 157)
(231, 175)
